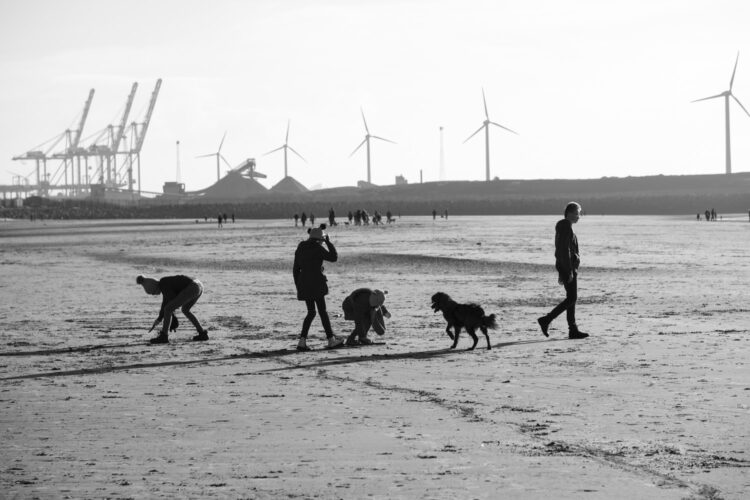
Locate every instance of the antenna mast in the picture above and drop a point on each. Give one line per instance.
(177, 177)
(442, 156)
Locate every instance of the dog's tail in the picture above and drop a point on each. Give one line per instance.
(489, 321)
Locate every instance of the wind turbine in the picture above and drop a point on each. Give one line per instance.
(219, 158)
(366, 140)
(726, 94)
(486, 127)
(286, 146)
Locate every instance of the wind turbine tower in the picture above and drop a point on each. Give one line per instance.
(486, 127)
(366, 141)
(286, 147)
(726, 95)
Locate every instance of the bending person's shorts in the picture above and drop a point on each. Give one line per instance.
(188, 296)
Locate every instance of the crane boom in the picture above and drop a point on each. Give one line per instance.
(147, 120)
(86, 107)
(121, 128)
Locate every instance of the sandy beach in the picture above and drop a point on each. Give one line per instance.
(655, 404)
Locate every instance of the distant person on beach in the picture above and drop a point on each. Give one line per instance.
(567, 260)
(312, 284)
(331, 217)
(350, 216)
(366, 308)
(219, 219)
(708, 215)
(177, 292)
(312, 219)
(303, 218)
(296, 220)
(434, 214)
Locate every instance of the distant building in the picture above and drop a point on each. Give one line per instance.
(400, 179)
(97, 191)
(173, 188)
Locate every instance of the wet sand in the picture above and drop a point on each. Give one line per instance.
(654, 405)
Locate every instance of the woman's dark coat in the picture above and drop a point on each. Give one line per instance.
(308, 274)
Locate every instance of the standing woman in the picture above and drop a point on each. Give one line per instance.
(311, 283)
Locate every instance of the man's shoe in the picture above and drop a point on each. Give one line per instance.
(544, 325)
(576, 334)
(201, 336)
(365, 341)
(161, 339)
(334, 341)
(352, 341)
(302, 345)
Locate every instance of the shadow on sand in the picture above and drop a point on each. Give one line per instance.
(68, 350)
(343, 360)
(278, 353)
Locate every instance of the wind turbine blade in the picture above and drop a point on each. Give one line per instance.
(484, 99)
(274, 150)
(206, 156)
(743, 107)
(293, 151)
(707, 98)
(382, 139)
(506, 128)
(475, 133)
(288, 123)
(363, 119)
(357, 148)
(222, 141)
(227, 163)
(731, 81)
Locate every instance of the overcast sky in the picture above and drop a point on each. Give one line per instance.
(593, 88)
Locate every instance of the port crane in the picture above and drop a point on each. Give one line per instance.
(69, 177)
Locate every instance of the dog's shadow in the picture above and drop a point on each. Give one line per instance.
(437, 353)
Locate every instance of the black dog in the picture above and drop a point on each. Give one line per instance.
(469, 316)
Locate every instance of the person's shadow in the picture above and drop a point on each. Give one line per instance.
(344, 360)
(277, 353)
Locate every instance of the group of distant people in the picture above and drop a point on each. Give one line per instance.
(710, 214)
(359, 217)
(443, 215)
(364, 306)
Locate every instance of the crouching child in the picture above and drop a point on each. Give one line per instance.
(366, 308)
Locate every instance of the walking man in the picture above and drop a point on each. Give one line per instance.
(567, 260)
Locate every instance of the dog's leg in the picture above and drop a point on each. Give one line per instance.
(486, 335)
(455, 336)
(448, 331)
(474, 338)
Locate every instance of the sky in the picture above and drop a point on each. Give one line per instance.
(593, 88)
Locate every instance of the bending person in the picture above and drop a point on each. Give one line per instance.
(366, 308)
(177, 292)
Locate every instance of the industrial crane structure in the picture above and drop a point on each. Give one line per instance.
(108, 144)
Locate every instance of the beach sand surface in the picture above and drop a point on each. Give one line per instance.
(655, 404)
